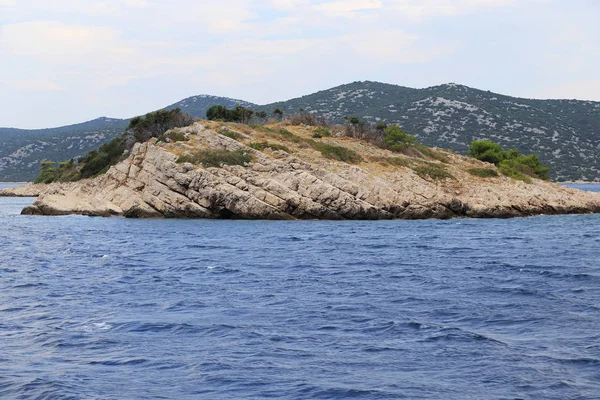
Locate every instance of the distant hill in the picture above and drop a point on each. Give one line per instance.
(565, 133)
(21, 151)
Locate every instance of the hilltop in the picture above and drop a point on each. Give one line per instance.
(227, 170)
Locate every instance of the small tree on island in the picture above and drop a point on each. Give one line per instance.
(398, 140)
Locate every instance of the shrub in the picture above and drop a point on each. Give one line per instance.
(230, 134)
(510, 162)
(486, 150)
(336, 152)
(432, 170)
(216, 158)
(156, 123)
(48, 172)
(260, 146)
(433, 154)
(321, 131)
(98, 161)
(397, 140)
(515, 170)
(483, 172)
(172, 136)
(305, 118)
(221, 113)
(395, 161)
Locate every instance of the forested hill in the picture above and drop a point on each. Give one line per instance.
(565, 133)
(21, 150)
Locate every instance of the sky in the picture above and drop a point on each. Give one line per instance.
(69, 61)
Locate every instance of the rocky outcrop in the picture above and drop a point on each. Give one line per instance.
(299, 184)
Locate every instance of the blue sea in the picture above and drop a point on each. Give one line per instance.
(113, 308)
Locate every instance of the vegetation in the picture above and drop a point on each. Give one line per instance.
(156, 123)
(172, 136)
(397, 140)
(432, 153)
(510, 162)
(395, 161)
(238, 114)
(278, 113)
(140, 129)
(260, 146)
(321, 132)
(338, 153)
(432, 170)
(94, 163)
(330, 151)
(230, 134)
(216, 158)
(97, 162)
(483, 172)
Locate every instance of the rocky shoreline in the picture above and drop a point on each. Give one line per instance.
(296, 184)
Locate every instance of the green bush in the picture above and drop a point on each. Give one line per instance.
(172, 136)
(432, 170)
(510, 162)
(486, 150)
(433, 154)
(397, 140)
(395, 161)
(483, 172)
(157, 123)
(321, 132)
(338, 153)
(98, 161)
(260, 146)
(48, 172)
(230, 134)
(515, 170)
(216, 158)
(221, 113)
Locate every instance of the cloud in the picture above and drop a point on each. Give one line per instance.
(580, 89)
(36, 85)
(53, 38)
(348, 6)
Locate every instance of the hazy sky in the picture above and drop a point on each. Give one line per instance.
(67, 61)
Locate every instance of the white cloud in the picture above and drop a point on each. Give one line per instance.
(348, 6)
(53, 38)
(35, 85)
(580, 89)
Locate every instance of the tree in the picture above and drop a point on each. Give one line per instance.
(261, 115)
(509, 162)
(357, 127)
(156, 123)
(486, 150)
(278, 113)
(396, 139)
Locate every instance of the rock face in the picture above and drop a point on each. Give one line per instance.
(299, 184)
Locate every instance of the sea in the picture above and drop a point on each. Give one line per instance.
(114, 308)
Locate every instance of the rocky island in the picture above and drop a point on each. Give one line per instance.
(279, 171)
